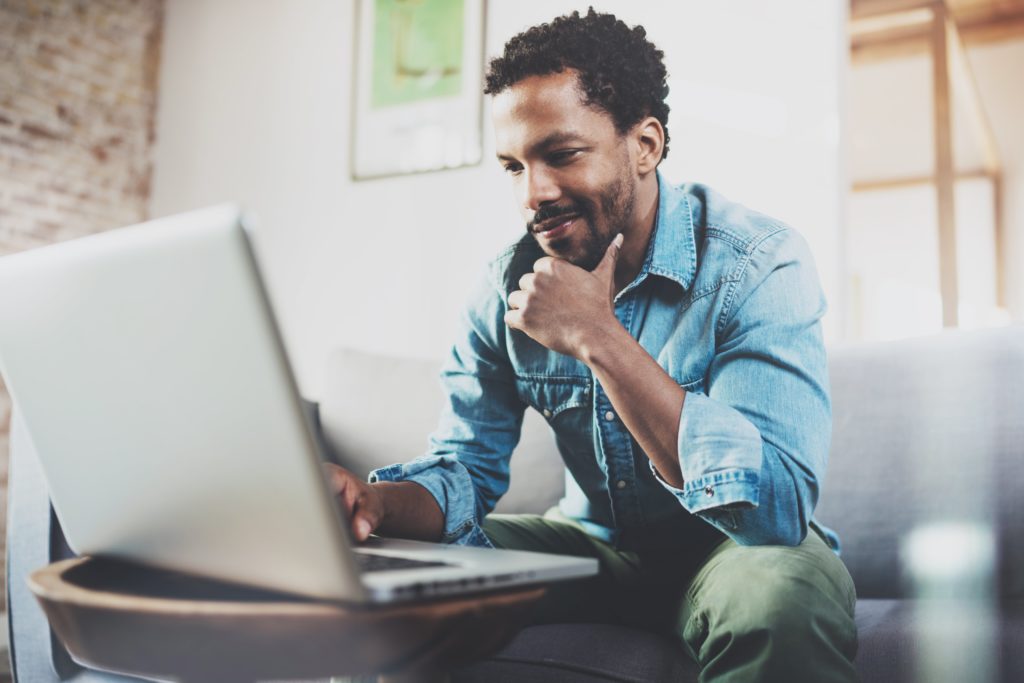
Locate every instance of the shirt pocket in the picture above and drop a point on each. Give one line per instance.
(553, 397)
(566, 403)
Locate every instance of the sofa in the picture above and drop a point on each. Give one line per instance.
(927, 432)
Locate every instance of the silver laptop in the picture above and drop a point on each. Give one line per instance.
(153, 382)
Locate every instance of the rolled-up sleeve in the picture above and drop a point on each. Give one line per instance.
(466, 467)
(753, 449)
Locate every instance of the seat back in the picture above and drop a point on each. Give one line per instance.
(926, 430)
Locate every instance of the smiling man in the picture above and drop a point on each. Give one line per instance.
(672, 340)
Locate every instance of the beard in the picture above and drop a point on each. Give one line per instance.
(602, 221)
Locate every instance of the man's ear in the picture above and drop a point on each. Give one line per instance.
(650, 140)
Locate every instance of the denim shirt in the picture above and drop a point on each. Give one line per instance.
(728, 302)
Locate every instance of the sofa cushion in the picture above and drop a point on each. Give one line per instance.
(888, 646)
(923, 430)
(588, 653)
(583, 653)
(378, 410)
(884, 651)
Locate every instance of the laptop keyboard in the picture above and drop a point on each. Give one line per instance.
(370, 562)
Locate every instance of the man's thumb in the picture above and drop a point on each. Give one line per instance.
(606, 268)
(363, 528)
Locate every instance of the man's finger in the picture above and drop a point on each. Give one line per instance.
(362, 528)
(516, 299)
(348, 494)
(606, 268)
(514, 319)
(526, 282)
(361, 523)
(545, 264)
(335, 475)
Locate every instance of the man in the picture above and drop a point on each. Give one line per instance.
(672, 340)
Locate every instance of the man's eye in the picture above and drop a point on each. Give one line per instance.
(564, 155)
(514, 169)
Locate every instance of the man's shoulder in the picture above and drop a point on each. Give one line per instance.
(719, 219)
(735, 245)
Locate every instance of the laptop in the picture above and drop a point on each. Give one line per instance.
(152, 379)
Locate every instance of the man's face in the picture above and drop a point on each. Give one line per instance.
(571, 169)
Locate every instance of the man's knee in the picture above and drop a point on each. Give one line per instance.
(759, 609)
(782, 605)
(773, 578)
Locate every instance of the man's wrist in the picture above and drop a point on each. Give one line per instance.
(601, 346)
(381, 490)
(408, 510)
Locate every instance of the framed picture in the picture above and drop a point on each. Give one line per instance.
(418, 82)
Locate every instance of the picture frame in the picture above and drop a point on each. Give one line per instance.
(417, 100)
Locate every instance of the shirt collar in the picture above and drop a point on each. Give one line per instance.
(673, 251)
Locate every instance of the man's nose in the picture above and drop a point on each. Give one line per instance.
(541, 189)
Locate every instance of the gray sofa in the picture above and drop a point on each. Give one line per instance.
(925, 430)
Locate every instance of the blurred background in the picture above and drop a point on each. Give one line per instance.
(886, 131)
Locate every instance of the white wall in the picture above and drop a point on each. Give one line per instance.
(254, 107)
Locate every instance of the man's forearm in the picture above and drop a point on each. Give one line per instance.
(645, 397)
(410, 511)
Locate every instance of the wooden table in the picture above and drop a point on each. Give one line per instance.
(120, 617)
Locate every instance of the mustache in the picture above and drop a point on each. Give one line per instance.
(545, 213)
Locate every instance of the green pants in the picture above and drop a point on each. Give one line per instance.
(743, 613)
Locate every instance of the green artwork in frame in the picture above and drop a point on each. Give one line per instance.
(417, 87)
(417, 51)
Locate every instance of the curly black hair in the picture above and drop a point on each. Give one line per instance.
(619, 69)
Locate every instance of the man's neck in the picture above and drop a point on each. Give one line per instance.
(638, 237)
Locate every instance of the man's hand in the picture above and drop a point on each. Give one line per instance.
(363, 504)
(403, 509)
(563, 306)
(571, 311)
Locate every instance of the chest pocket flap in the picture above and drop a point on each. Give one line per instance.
(551, 396)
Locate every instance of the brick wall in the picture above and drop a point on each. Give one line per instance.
(78, 86)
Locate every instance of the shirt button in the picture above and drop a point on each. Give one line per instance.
(620, 484)
(547, 413)
(709, 491)
(609, 416)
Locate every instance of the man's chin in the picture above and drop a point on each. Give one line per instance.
(564, 251)
(586, 256)
(583, 255)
